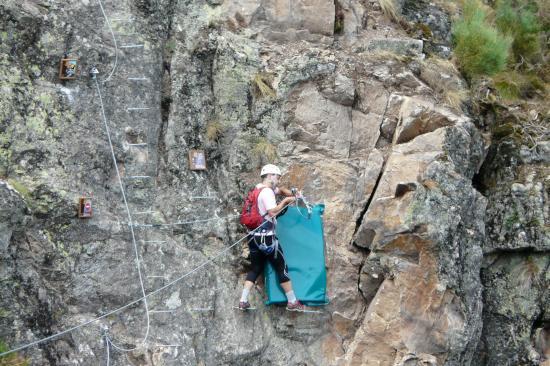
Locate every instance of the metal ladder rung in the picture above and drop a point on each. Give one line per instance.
(161, 311)
(122, 19)
(167, 345)
(132, 46)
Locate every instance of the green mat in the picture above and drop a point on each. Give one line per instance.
(301, 236)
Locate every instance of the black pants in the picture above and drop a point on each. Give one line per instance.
(259, 259)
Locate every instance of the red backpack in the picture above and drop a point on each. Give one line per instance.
(250, 215)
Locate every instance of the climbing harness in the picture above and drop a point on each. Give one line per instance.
(263, 247)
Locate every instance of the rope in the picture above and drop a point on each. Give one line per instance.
(114, 41)
(187, 274)
(136, 252)
(308, 207)
(107, 342)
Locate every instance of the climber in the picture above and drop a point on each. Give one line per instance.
(263, 243)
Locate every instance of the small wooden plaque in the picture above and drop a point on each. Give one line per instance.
(85, 207)
(197, 160)
(68, 68)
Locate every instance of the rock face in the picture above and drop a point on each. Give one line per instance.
(430, 300)
(430, 21)
(12, 214)
(515, 271)
(337, 95)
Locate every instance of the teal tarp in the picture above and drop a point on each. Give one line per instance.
(301, 236)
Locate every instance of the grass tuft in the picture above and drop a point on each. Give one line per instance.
(214, 130)
(264, 150)
(389, 9)
(455, 98)
(443, 77)
(513, 85)
(526, 273)
(262, 86)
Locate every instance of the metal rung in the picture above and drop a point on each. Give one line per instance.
(137, 108)
(143, 212)
(204, 198)
(138, 176)
(161, 311)
(153, 241)
(157, 276)
(138, 79)
(122, 20)
(168, 345)
(140, 144)
(132, 46)
(202, 309)
(309, 311)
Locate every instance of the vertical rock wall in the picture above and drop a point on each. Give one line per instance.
(334, 92)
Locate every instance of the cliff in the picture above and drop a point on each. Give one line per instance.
(436, 226)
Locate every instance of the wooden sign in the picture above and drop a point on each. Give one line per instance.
(197, 160)
(85, 207)
(67, 68)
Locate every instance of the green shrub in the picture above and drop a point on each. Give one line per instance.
(479, 48)
(522, 25)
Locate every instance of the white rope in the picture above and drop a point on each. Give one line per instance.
(107, 346)
(114, 41)
(308, 207)
(121, 349)
(187, 274)
(136, 252)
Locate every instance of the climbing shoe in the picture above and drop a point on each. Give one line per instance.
(244, 305)
(295, 306)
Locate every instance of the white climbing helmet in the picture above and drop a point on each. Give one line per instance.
(270, 169)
